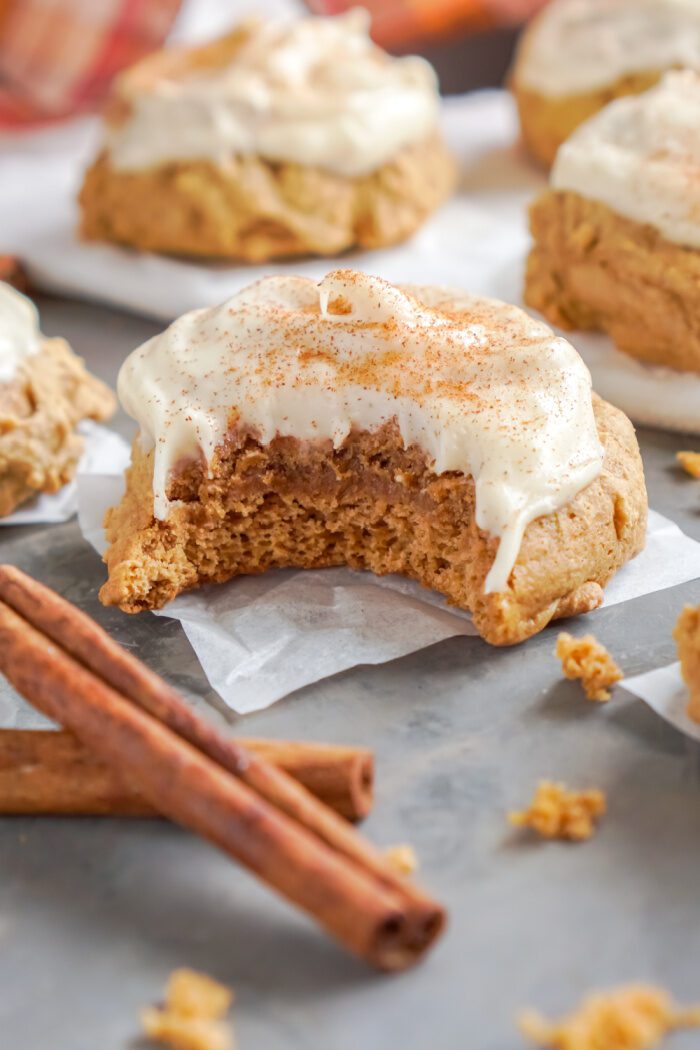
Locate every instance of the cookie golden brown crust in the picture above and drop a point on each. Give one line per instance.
(592, 269)
(39, 408)
(253, 210)
(372, 504)
(547, 120)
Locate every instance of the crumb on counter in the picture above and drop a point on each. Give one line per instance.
(633, 1017)
(558, 813)
(193, 994)
(191, 1016)
(585, 658)
(690, 461)
(403, 858)
(687, 636)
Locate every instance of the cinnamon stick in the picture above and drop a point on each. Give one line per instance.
(71, 670)
(83, 639)
(50, 772)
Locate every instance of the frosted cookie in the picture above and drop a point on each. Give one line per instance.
(578, 55)
(419, 431)
(617, 236)
(45, 390)
(283, 138)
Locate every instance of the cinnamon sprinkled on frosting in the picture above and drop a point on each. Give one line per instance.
(479, 386)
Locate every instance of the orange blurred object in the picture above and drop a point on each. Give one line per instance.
(58, 56)
(399, 23)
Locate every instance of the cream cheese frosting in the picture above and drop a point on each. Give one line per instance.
(576, 46)
(479, 386)
(19, 331)
(640, 156)
(314, 91)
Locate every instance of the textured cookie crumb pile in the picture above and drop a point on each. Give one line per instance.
(191, 1017)
(559, 813)
(590, 662)
(634, 1017)
(687, 636)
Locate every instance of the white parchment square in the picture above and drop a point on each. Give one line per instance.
(666, 693)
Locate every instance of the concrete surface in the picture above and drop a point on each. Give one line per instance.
(95, 913)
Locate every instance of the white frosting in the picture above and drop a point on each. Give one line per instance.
(19, 330)
(315, 91)
(487, 390)
(641, 157)
(576, 46)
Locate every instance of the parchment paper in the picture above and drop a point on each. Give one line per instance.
(666, 693)
(259, 638)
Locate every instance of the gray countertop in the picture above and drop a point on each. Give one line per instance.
(94, 914)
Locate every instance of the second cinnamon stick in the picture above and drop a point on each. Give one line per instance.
(50, 772)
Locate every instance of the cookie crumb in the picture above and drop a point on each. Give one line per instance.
(191, 1016)
(687, 636)
(558, 813)
(403, 858)
(690, 461)
(586, 659)
(634, 1017)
